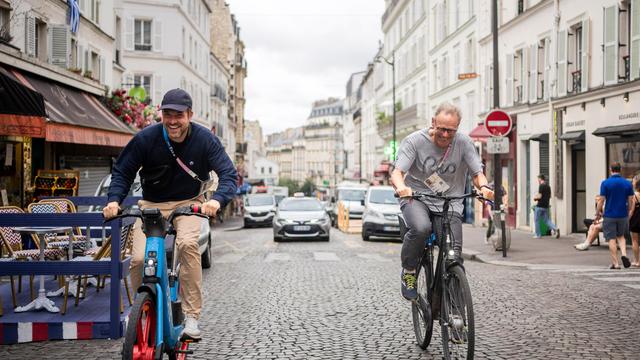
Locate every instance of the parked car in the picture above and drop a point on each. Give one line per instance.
(301, 218)
(381, 213)
(352, 197)
(204, 240)
(259, 210)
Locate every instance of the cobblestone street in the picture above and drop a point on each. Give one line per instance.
(341, 300)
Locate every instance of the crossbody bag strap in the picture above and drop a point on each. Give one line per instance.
(182, 164)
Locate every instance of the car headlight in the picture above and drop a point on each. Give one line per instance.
(282, 221)
(322, 220)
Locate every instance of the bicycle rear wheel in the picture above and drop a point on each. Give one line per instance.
(457, 325)
(140, 336)
(421, 308)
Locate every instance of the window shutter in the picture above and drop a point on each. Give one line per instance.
(157, 89)
(128, 33)
(102, 69)
(509, 79)
(79, 54)
(127, 80)
(60, 44)
(611, 45)
(562, 63)
(584, 62)
(524, 79)
(87, 64)
(533, 74)
(547, 68)
(157, 35)
(635, 39)
(30, 35)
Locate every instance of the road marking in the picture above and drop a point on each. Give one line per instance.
(233, 246)
(618, 279)
(271, 257)
(325, 256)
(228, 258)
(375, 257)
(609, 273)
(577, 270)
(633, 286)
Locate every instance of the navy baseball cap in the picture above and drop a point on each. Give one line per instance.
(176, 99)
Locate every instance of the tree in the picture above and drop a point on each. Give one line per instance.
(308, 187)
(290, 184)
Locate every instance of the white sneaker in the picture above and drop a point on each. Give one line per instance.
(582, 246)
(191, 329)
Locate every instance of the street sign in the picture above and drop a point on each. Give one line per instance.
(498, 123)
(498, 145)
(465, 76)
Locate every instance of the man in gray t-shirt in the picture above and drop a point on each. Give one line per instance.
(435, 160)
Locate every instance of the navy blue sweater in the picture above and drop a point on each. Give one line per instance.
(201, 151)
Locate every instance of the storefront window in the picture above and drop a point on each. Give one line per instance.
(10, 173)
(628, 155)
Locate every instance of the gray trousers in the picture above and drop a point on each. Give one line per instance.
(416, 217)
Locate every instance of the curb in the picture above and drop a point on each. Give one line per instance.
(479, 257)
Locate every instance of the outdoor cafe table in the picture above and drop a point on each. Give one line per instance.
(39, 231)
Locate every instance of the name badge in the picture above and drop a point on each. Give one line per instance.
(436, 184)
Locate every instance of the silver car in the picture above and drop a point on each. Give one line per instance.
(301, 218)
(381, 213)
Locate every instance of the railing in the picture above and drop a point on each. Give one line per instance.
(115, 267)
(627, 68)
(576, 77)
(518, 95)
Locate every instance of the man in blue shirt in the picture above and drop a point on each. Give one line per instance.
(616, 194)
(174, 156)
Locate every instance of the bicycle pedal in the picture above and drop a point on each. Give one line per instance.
(187, 339)
(190, 352)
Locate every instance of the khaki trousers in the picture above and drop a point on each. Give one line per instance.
(187, 234)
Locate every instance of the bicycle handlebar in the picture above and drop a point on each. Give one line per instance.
(191, 210)
(421, 194)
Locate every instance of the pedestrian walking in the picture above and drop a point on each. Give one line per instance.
(634, 222)
(616, 199)
(541, 210)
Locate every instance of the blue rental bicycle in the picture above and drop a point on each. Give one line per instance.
(155, 321)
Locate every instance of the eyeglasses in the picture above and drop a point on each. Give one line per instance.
(446, 130)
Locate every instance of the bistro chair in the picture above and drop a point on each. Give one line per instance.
(67, 206)
(53, 240)
(12, 243)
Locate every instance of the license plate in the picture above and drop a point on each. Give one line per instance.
(301, 228)
(391, 228)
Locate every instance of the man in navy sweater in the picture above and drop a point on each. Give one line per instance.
(172, 158)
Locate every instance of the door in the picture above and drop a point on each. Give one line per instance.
(578, 183)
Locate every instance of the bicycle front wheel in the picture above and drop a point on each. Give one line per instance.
(421, 308)
(140, 336)
(457, 324)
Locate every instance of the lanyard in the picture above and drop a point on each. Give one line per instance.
(446, 153)
(182, 165)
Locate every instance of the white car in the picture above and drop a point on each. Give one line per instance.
(259, 210)
(381, 213)
(351, 198)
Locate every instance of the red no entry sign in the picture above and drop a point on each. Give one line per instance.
(498, 123)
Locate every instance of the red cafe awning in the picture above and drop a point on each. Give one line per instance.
(480, 133)
(79, 135)
(22, 125)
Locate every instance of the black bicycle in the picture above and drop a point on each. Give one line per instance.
(443, 289)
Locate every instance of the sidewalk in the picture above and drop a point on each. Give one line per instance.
(527, 251)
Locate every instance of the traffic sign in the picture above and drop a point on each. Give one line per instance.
(498, 123)
(498, 145)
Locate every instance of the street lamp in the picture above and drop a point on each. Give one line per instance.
(392, 62)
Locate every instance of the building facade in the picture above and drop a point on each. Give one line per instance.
(323, 144)
(166, 46)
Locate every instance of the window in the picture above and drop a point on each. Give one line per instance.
(576, 57)
(90, 9)
(5, 28)
(520, 6)
(456, 61)
(270, 170)
(142, 36)
(41, 40)
(469, 56)
(143, 81)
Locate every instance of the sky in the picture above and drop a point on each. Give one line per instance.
(299, 51)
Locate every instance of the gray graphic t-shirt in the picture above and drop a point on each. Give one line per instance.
(419, 157)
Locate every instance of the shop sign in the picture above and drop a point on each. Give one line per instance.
(17, 125)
